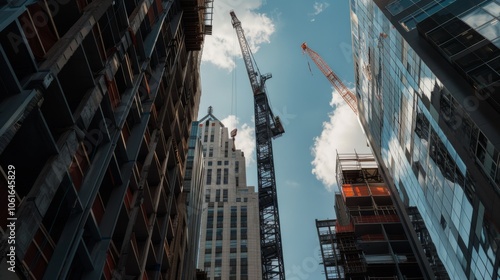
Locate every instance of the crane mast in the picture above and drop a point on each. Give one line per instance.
(267, 127)
(346, 94)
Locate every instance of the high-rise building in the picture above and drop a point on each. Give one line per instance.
(368, 239)
(193, 189)
(427, 81)
(97, 100)
(230, 241)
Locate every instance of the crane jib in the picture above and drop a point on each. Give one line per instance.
(267, 127)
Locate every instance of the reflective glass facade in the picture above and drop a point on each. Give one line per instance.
(428, 92)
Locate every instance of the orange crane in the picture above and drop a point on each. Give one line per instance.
(348, 96)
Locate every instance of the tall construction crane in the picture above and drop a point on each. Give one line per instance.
(267, 127)
(349, 97)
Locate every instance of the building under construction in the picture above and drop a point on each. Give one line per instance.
(96, 104)
(368, 240)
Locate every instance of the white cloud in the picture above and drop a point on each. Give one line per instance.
(319, 7)
(222, 46)
(342, 133)
(245, 139)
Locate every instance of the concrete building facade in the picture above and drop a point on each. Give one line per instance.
(230, 238)
(427, 83)
(96, 104)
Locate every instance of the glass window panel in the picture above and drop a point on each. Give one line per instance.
(431, 10)
(452, 47)
(477, 18)
(468, 62)
(408, 23)
(400, 5)
(469, 38)
(484, 76)
(491, 30)
(493, 8)
(422, 15)
(456, 27)
(439, 36)
(487, 52)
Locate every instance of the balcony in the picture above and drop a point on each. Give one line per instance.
(197, 20)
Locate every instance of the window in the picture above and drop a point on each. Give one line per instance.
(212, 138)
(209, 234)
(210, 152)
(237, 180)
(219, 234)
(237, 166)
(243, 245)
(234, 217)
(224, 195)
(210, 218)
(219, 162)
(220, 216)
(205, 138)
(209, 163)
(207, 195)
(399, 5)
(443, 222)
(209, 179)
(226, 175)
(217, 182)
(217, 195)
(226, 162)
(410, 22)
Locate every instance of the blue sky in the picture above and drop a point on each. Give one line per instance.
(316, 121)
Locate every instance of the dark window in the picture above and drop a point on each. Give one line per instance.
(219, 234)
(218, 176)
(226, 175)
(209, 178)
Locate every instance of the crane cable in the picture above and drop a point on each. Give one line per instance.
(234, 95)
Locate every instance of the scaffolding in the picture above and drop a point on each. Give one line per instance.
(368, 240)
(353, 168)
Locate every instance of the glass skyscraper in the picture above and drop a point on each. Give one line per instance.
(427, 82)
